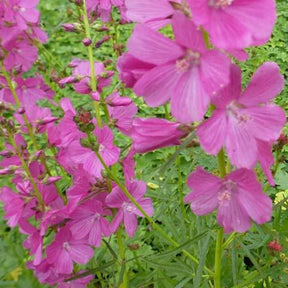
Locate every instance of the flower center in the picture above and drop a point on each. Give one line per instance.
(235, 110)
(66, 246)
(227, 190)
(128, 207)
(189, 60)
(101, 148)
(220, 3)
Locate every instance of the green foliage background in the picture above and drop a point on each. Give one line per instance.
(155, 262)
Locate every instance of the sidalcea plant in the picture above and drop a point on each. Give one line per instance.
(82, 148)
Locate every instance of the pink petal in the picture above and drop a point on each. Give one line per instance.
(266, 159)
(95, 235)
(204, 195)
(231, 91)
(64, 264)
(266, 84)
(145, 10)
(233, 217)
(80, 229)
(191, 37)
(190, 100)
(116, 198)
(240, 144)
(130, 223)
(214, 71)
(257, 205)
(137, 189)
(157, 85)
(80, 253)
(257, 17)
(146, 205)
(212, 132)
(117, 220)
(266, 122)
(227, 32)
(150, 46)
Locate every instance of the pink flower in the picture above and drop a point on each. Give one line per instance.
(122, 116)
(152, 133)
(65, 250)
(81, 76)
(21, 12)
(238, 197)
(235, 24)
(244, 122)
(87, 157)
(127, 211)
(88, 220)
(186, 72)
(21, 55)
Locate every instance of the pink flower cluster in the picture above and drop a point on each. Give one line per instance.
(193, 73)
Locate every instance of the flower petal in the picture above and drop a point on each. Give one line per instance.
(212, 132)
(150, 46)
(190, 101)
(266, 84)
(204, 195)
(157, 85)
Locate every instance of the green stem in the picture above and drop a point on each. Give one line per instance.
(180, 188)
(150, 220)
(92, 71)
(218, 258)
(26, 169)
(167, 112)
(122, 256)
(220, 233)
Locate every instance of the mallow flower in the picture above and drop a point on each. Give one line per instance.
(186, 71)
(238, 197)
(127, 211)
(244, 121)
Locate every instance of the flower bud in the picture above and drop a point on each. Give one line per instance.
(87, 42)
(21, 110)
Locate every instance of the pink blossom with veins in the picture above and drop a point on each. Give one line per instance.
(186, 72)
(81, 76)
(235, 24)
(88, 221)
(21, 55)
(244, 122)
(127, 211)
(238, 198)
(87, 157)
(65, 250)
(21, 12)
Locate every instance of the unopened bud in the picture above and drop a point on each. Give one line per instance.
(69, 27)
(87, 42)
(21, 110)
(103, 40)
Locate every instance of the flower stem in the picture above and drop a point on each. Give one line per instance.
(92, 69)
(220, 233)
(124, 283)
